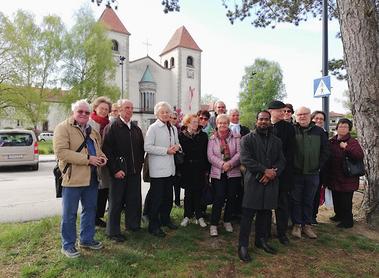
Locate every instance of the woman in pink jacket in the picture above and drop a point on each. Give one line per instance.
(224, 156)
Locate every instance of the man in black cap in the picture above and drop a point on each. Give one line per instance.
(286, 132)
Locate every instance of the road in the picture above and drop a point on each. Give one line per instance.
(30, 195)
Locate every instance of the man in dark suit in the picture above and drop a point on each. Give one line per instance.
(286, 133)
(123, 145)
(261, 155)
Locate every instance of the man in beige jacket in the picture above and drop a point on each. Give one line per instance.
(80, 180)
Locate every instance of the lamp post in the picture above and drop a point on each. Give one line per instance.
(122, 58)
(325, 68)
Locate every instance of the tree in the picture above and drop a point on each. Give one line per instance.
(31, 53)
(359, 24)
(88, 60)
(208, 99)
(262, 82)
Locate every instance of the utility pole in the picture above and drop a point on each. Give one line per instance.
(122, 58)
(325, 67)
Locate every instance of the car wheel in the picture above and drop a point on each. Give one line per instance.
(35, 167)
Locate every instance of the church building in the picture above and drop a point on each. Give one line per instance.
(176, 78)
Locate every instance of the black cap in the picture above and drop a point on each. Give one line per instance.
(276, 104)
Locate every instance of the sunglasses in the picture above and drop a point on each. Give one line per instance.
(173, 118)
(203, 118)
(83, 112)
(287, 111)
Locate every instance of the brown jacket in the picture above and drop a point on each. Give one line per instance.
(67, 139)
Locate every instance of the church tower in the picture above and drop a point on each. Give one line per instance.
(182, 56)
(120, 46)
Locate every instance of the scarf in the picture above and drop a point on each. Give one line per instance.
(100, 120)
(224, 147)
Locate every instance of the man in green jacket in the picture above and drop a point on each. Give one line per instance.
(311, 153)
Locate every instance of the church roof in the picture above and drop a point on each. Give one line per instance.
(111, 21)
(147, 76)
(181, 38)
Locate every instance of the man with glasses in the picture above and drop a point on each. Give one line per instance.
(311, 153)
(77, 148)
(219, 109)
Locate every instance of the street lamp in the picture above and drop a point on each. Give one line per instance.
(122, 58)
(251, 80)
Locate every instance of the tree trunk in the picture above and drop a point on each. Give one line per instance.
(359, 25)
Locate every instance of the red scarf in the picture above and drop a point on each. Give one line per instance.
(224, 147)
(100, 120)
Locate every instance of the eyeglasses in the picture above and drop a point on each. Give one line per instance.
(173, 118)
(203, 118)
(83, 112)
(287, 111)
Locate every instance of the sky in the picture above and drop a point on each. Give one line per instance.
(227, 49)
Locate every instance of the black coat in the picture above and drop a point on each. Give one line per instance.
(195, 158)
(244, 130)
(119, 141)
(285, 131)
(257, 159)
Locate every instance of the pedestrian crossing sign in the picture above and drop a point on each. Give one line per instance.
(321, 87)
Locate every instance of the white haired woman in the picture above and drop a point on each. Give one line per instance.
(161, 143)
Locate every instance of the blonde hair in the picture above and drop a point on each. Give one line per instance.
(222, 117)
(188, 118)
(101, 100)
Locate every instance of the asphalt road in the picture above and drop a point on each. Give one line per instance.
(30, 195)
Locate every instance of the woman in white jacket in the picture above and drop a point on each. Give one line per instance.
(161, 143)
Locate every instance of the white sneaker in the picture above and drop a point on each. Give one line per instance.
(185, 222)
(228, 227)
(202, 222)
(213, 231)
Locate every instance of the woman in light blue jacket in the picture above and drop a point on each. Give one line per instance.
(161, 143)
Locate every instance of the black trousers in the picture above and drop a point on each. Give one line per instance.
(102, 198)
(262, 220)
(343, 206)
(316, 202)
(124, 193)
(160, 202)
(224, 188)
(192, 200)
(177, 190)
(281, 215)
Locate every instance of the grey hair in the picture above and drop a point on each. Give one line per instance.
(121, 102)
(231, 111)
(78, 103)
(302, 108)
(222, 117)
(160, 105)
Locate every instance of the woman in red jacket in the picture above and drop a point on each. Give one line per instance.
(342, 186)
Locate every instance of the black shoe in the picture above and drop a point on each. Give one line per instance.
(134, 229)
(344, 226)
(117, 238)
(171, 226)
(243, 254)
(284, 240)
(177, 203)
(262, 244)
(100, 223)
(335, 218)
(158, 233)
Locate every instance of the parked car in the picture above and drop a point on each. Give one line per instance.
(18, 147)
(45, 136)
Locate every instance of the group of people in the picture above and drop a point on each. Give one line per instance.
(278, 165)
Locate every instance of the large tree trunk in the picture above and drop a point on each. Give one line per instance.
(360, 36)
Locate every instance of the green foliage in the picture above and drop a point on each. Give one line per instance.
(208, 98)
(88, 60)
(262, 82)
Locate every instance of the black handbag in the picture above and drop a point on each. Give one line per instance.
(179, 157)
(58, 175)
(353, 168)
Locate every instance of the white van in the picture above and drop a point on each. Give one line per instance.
(18, 147)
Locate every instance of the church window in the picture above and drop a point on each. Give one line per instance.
(172, 62)
(190, 61)
(147, 101)
(114, 45)
(166, 64)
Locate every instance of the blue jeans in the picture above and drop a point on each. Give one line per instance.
(303, 194)
(71, 196)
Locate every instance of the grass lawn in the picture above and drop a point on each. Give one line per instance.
(32, 249)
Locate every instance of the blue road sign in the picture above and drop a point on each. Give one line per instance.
(321, 87)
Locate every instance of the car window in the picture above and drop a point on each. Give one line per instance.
(15, 139)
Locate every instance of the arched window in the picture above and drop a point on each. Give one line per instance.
(114, 45)
(190, 61)
(166, 64)
(172, 62)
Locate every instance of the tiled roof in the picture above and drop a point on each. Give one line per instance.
(181, 38)
(147, 76)
(111, 21)
(335, 114)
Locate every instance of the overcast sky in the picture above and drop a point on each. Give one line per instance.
(227, 48)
